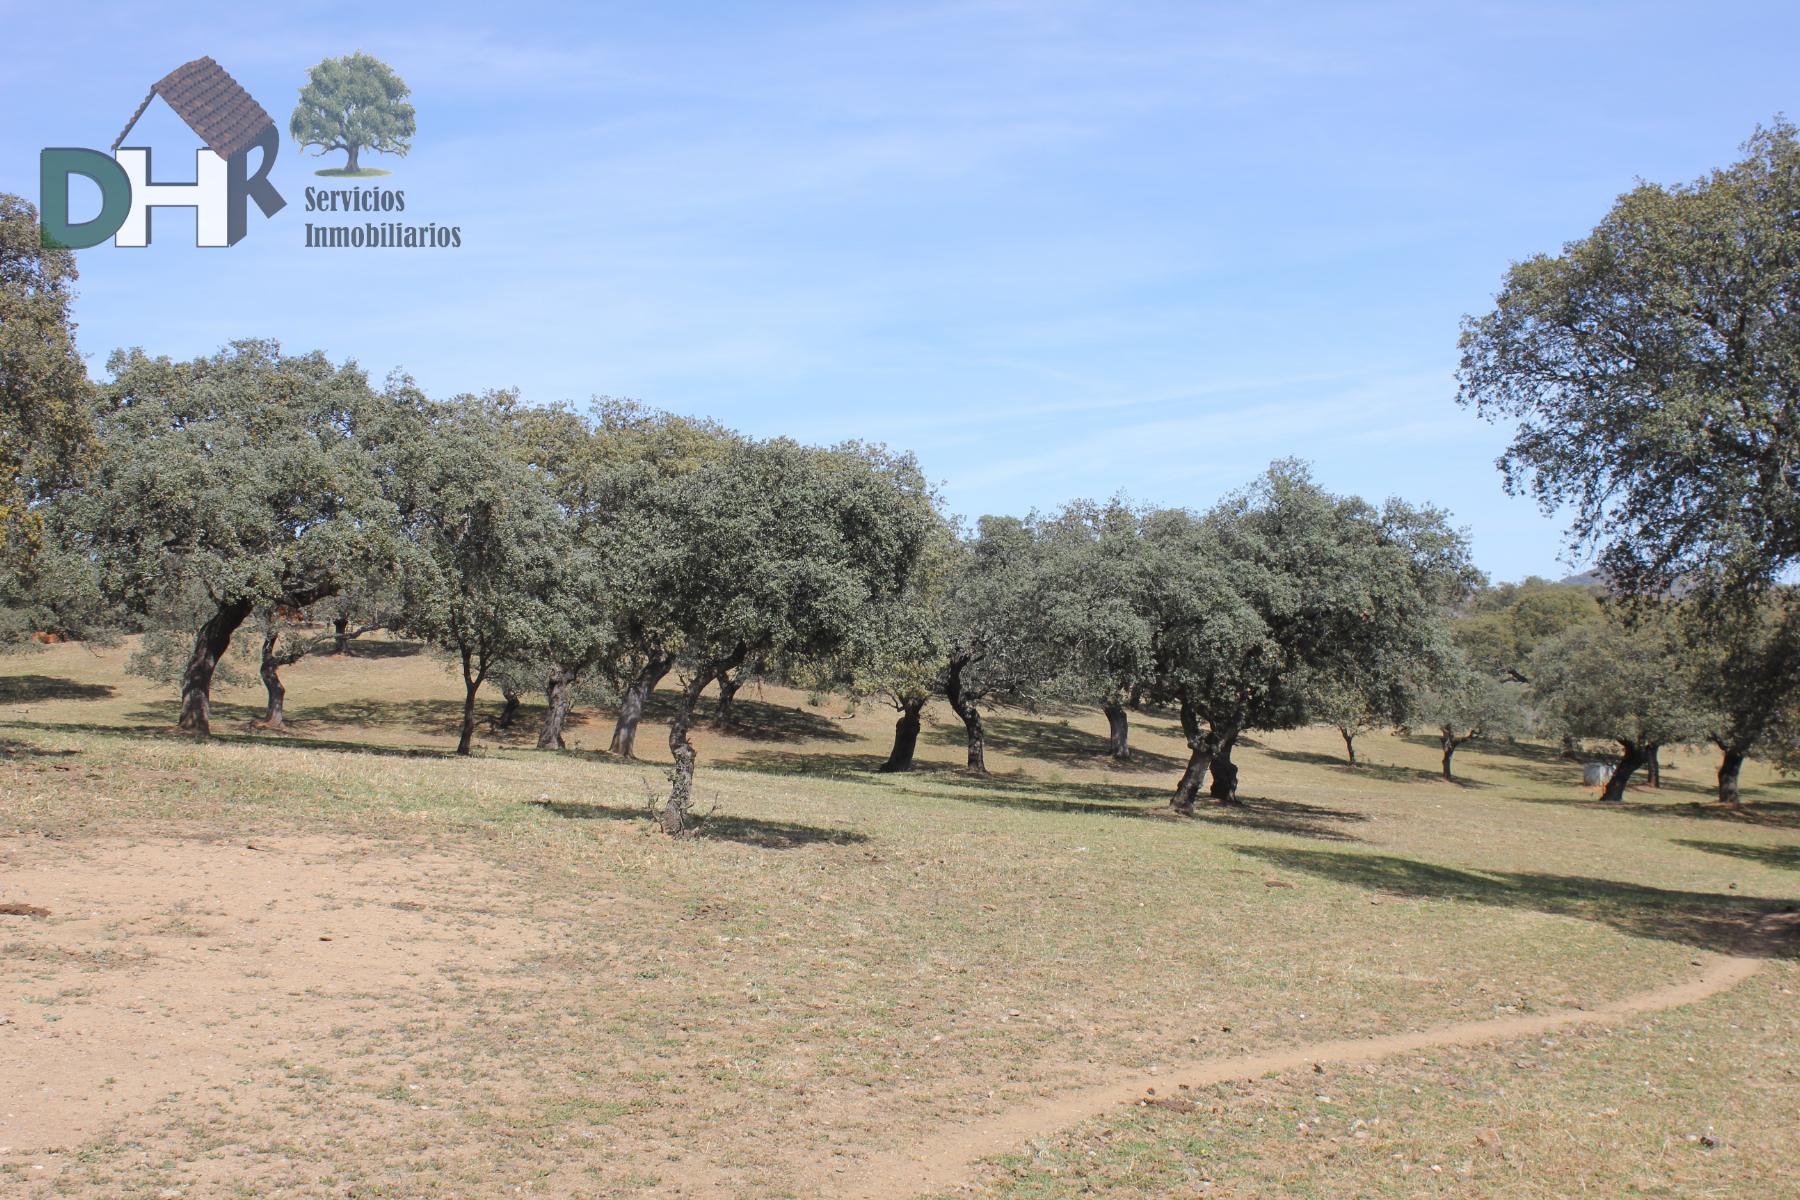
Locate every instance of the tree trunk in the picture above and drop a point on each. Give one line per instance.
(510, 711)
(350, 163)
(1634, 756)
(558, 696)
(1349, 736)
(340, 636)
(471, 684)
(729, 684)
(1205, 747)
(964, 706)
(1653, 767)
(1118, 731)
(1136, 698)
(1225, 772)
(1729, 766)
(211, 642)
(270, 669)
(1192, 776)
(1450, 742)
(906, 737)
(636, 697)
(675, 813)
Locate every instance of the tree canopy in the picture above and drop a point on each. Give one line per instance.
(44, 390)
(228, 483)
(1650, 368)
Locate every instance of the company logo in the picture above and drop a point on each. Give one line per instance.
(226, 118)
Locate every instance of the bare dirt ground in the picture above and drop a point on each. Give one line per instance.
(527, 991)
(194, 960)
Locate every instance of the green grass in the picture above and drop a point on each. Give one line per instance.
(542, 990)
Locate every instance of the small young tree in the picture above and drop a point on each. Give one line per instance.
(228, 484)
(354, 103)
(1629, 683)
(1462, 702)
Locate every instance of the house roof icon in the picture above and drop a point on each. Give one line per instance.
(214, 105)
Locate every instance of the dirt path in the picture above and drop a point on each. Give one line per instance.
(942, 1162)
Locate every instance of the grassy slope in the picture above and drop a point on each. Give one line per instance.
(847, 961)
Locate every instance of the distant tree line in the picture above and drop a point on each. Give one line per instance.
(602, 554)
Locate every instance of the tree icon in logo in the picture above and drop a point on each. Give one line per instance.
(352, 104)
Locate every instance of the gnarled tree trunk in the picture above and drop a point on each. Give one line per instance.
(211, 642)
(1653, 767)
(340, 636)
(509, 712)
(275, 715)
(1118, 731)
(963, 704)
(1349, 736)
(559, 694)
(675, 814)
(1204, 746)
(636, 697)
(906, 736)
(1633, 757)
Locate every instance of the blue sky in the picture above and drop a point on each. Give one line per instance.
(1057, 248)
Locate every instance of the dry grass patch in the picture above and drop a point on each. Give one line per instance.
(535, 990)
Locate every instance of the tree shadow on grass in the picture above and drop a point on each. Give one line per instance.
(1152, 803)
(749, 831)
(1365, 770)
(10, 749)
(242, 736)
(1770, 814)
(865, 767)
(1052, 741)
(377, 648)
(757, 720)
(26, 689)
(1708, 920)
(1786, 858)
(1023, 792)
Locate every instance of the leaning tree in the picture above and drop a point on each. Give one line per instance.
(228, 484)
(1279, 588)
